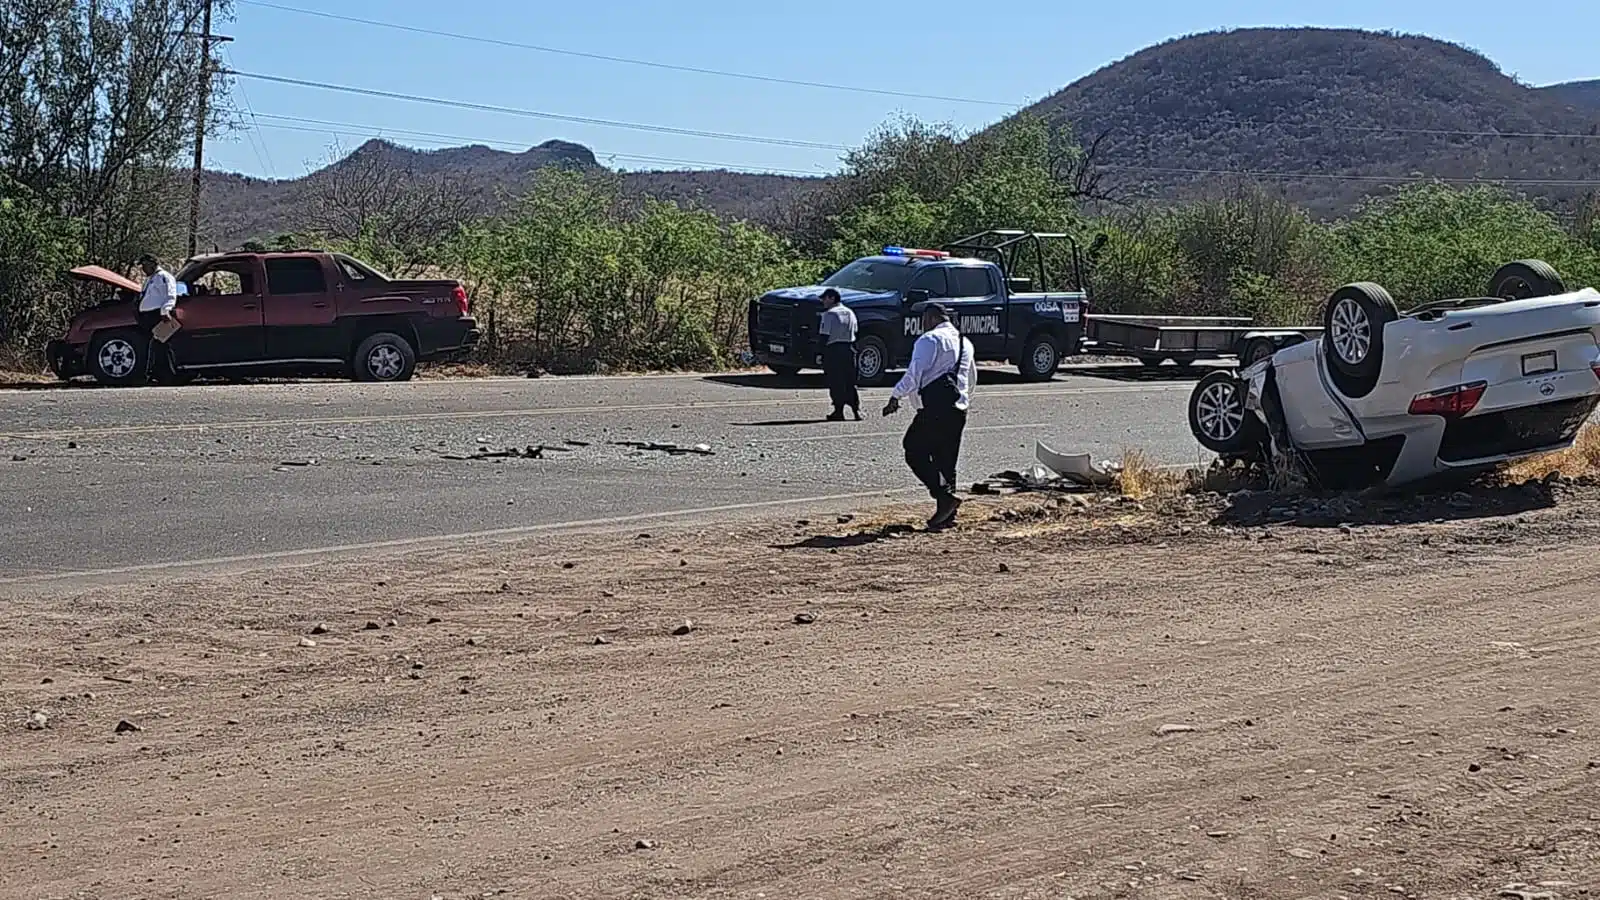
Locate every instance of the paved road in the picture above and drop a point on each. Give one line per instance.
(110, 480)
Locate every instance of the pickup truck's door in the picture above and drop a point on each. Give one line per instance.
(300, 312)
(933, 280)
(978, 302)
(220, 315)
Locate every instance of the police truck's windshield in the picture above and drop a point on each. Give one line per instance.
(871, 275)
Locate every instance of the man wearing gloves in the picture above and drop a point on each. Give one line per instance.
(938, 382)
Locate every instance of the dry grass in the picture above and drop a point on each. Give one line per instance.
(1582, 460)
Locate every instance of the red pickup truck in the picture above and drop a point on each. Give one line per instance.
(307, 312)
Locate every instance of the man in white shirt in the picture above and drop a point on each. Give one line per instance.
(157, 302)
(938, 382)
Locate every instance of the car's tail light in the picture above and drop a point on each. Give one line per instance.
(1451, 402)
(460, 293)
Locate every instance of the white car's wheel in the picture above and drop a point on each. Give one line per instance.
(1352, 338)
(1526, 278)
(1218, 418)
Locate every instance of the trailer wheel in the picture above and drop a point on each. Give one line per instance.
(1352, 337)
(1218, 418)
(1040, 358)
(1257, 349)
(1524, 279)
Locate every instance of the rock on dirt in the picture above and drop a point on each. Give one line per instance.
(1168, 730)
(38, 721)
(805, 618)
(686, 627)
(126, 727)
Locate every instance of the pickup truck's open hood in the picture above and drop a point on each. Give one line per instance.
(105, 276)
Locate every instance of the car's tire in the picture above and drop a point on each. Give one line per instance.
(1040, 358)
(1257, 349)
(385, 356)
(785, 372)
(1524, 279)
(872, 361)
(1218, 418)
(117, 358)
(1352, 337)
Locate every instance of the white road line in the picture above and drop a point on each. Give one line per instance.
(875, 434)
(475, 415)
(420, 542)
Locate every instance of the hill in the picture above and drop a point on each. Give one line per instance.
(240, 208)
(1582, 95)
(1329, 115)
(1337, 106)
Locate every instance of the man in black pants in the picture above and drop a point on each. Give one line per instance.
(838, 329)
(158, 301)
(939, 382)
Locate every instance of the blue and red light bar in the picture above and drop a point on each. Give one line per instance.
(915, 253)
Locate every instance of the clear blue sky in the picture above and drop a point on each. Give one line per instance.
(1013, 52)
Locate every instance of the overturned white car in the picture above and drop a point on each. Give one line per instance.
(1383, 397)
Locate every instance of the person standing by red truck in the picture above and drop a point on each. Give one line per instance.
(156, 303)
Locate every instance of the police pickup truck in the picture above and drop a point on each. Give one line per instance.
(1006, 320)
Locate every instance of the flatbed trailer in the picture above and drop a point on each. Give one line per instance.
(1186, 339)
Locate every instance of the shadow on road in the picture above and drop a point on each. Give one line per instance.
(1137, 374)
(843, 541)
(768, 381)
(1437, 503)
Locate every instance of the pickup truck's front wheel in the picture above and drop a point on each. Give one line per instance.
(385, 356)
(872, 361)
(1040, 358)
(117, 358)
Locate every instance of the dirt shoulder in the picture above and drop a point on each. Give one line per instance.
(1360, 710)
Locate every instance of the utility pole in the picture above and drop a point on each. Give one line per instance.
(206, 66)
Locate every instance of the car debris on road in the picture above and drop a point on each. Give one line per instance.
(1385, 398)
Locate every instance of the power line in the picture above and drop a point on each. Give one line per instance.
(357, 130)
(748, 76)
(533, 114)
(349, 129)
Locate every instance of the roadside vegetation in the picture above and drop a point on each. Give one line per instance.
(581, 276)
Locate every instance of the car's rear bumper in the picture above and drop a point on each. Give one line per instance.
(447, 337)
(1503, 435)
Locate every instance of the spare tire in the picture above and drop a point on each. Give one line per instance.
(1525, 279)
(1352, 335)
(1218, 418)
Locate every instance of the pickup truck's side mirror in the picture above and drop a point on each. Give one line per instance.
(912, 298)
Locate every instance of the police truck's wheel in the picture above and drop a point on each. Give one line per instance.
(385, 357)
(872, 361)
(1040, 358)
(1352, 338)
(1524, 279)
(117, 357)
(1218, 418)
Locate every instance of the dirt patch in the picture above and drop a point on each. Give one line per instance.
(1087, 696)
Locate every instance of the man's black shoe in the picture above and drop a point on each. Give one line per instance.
(945, 513)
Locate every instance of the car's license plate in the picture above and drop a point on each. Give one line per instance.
(1539, 363)
(777, 348)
